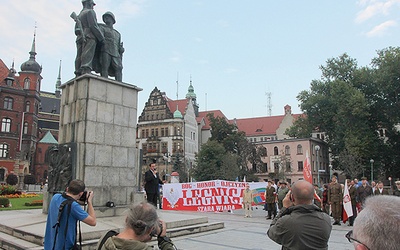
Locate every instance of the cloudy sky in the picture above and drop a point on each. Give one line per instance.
(234, 51)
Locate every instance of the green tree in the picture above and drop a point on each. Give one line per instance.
(211, 163)
(12, 179)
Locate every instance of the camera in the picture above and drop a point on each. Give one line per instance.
(84, 197)
(154, 233)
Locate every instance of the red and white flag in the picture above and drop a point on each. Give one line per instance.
(307, 169)
(348, 211)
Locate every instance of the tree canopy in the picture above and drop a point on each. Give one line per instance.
(227, 154)
(357, 108)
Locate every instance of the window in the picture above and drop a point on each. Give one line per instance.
(276, 167)
(288, 167)
(6, 125)
(8, 103)
(25, 128)
(27, 106)
(265, 167)
(147, 133)
(2, 174)
(300, 166)
(164, 147)
(287, 150)
(263, 151)
(276, 151)
(143, 134)
(4, 150)
(27, 83)
(299, 149)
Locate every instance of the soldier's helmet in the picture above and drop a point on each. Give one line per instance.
(109, 13)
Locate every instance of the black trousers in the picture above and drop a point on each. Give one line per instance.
(152, 198)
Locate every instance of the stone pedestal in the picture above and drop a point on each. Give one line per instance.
(99, 116)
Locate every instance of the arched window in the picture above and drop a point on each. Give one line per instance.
(8, 103)
(276, 151)
(27, 106)
(6, 125)
(27, 83)
(287, 150)
(4, 150)
(299, 149)
(25, 128)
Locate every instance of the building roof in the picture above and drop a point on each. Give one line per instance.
(49, 103)
(3, 70)
(48, 138)
(182, 105)
(266, 125)
(203, 115)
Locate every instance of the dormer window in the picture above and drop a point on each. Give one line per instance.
(9, 82)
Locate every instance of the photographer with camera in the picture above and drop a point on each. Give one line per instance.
(65, 211)
(141, 224)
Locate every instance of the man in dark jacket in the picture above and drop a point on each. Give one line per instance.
(363, 191)
(151, 187)
(353, 195)
(300, 224)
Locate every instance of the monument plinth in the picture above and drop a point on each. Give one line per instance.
(99, 117)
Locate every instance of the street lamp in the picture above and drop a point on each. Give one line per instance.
(330, 171)
(372, 169)
(317, 148)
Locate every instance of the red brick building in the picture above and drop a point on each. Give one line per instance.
(19, 107)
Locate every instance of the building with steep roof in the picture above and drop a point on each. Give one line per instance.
(27, 115)
(20, 99)
(284, 156)
(167, 131)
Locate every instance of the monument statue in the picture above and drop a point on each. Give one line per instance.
(88, 35)
(60, 167)
(111, 50)
(99, 46)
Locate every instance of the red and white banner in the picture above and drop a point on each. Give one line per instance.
(209, 196)
(307, 169)
(348, 211)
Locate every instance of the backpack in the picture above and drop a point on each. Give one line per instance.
(68, 202)
(108, 235)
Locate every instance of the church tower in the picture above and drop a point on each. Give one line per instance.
(192, 96)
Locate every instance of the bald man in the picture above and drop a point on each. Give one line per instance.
(300, 224)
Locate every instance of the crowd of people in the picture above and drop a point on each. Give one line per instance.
(304, 222)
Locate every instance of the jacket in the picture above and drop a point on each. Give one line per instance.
(270, 195)
(335, 193)
(301, 227)
(115, 243)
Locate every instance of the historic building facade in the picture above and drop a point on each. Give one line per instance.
(27, 114)
(284, 156)
(20, 99)
(167, 131)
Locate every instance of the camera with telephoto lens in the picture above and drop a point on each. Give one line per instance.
(84, 197)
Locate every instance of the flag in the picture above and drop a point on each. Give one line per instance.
(307, 169)
(348, 211)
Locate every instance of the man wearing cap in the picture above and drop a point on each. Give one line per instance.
(396, 191)
(111, 49)
(363, 191)
(270, 197)
(282, 191)
(335, 199)
(87, 38)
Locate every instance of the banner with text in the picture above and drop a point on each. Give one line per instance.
(209, 196)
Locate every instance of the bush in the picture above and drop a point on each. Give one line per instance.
(29, 179)
(4, 202)
(7, 189)
(12, 179)
(34, 203)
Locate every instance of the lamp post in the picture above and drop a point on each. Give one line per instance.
(317, 148)
(372, 169)
(330, 171)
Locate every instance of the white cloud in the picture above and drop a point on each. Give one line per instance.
(176, 57)
(374, 8)
(380, 29)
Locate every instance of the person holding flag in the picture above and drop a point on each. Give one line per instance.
(347, 204)
(307, 175)
(351, 191)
